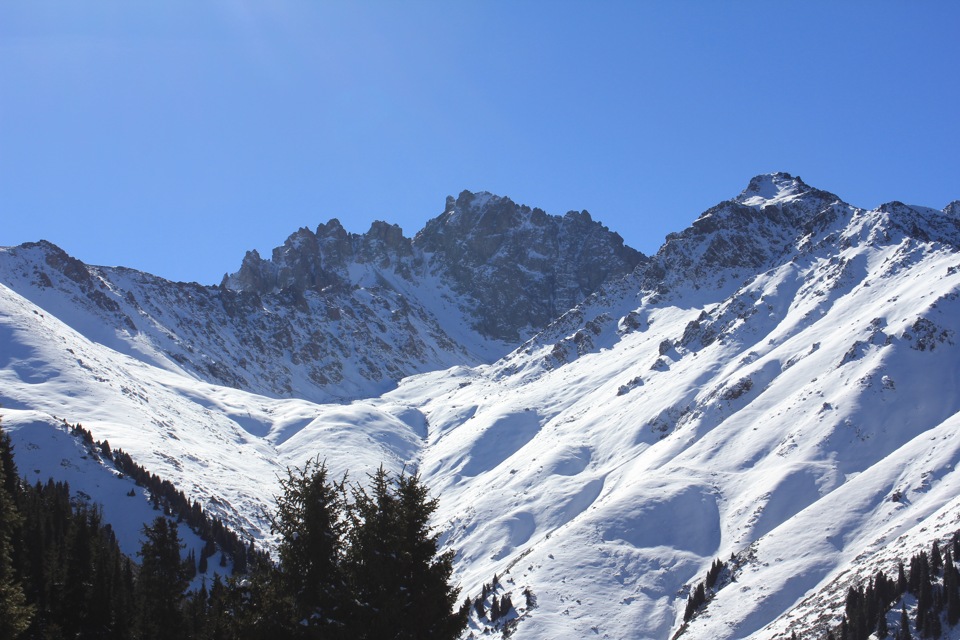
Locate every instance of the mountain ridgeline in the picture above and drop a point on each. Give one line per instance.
(335, 315)
(514, 268)
(769, 401)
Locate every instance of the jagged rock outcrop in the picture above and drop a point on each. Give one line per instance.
(318, 260)
(521, 267)
(514, 267)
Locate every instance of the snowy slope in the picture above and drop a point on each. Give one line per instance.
(778, 383)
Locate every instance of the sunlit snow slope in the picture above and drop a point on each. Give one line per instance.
(778, 384)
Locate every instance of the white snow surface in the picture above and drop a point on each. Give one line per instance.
(804, 421)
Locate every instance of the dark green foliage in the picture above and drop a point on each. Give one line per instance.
(951, 589)
(904, 633)
(694, 602)
(937, 600)
(162, 581)
(15, 613)
(310, 519)
(698, 597)
(479, 607)
(714, 573)
(370, 569)
(882, 630)
(75, 580)
(495, 611)
(506, 604)
(936, 559)
(366, 568)
(399, 581)
(531, 600)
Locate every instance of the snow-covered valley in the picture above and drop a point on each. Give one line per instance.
(778, 384)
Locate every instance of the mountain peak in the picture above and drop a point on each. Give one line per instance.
(769, 188)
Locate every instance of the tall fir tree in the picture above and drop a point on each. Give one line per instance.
(15, 613)
(951, 588)
(399, 580)
(311, 522)
(162, 581)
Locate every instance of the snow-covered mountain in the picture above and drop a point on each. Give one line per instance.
(335, 316)
(776, 387)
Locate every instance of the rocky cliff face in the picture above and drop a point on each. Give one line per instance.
(514, 268)
(318, 261)
(519, 267)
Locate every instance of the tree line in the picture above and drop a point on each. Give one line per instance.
(353, 561)
(934, 581)
(165, 497)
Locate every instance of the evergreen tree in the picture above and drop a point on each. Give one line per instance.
(479, 607)
(310, 519)
(936, 559)
(531, 600)
(162, 581)
(951, 589)
(904, 625)
(902, 582)
(882, 630)
(15, 613)
(694, 602)
(506, 604)
(714, 573)
(399, 581)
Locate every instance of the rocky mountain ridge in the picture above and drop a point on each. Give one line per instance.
(515, 267)
(334, 316)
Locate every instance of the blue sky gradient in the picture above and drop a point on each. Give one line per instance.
(173, 136)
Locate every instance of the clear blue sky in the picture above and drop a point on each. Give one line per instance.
(172, 136)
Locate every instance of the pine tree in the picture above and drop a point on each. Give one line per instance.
(882, 630)
(162, 580)
(902, 582)
(695, 601)
(904, 625)
(936, 559)
(15, 614)
(310, 519)
(951, 589)
(531, 600)
(399, 580)
(506, 604)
